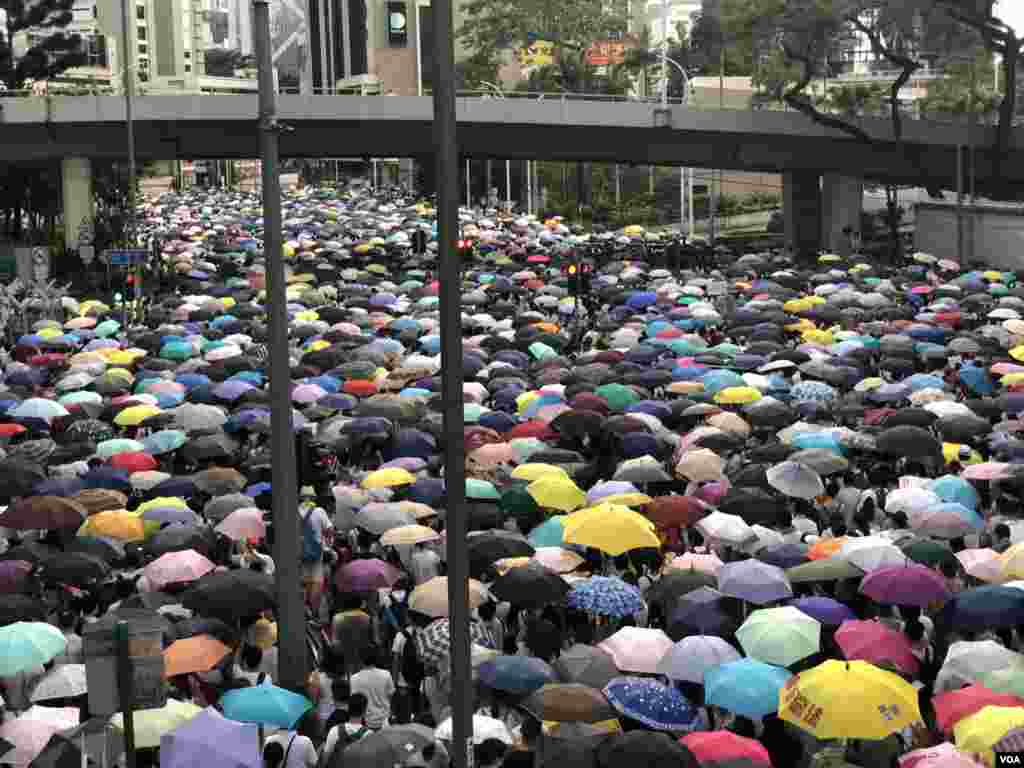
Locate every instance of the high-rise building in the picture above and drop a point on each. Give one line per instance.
(679, 11)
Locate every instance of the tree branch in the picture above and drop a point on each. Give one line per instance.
(795, 98)
(908, 65)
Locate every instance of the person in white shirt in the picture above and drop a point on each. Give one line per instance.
(297, 749)
(377, 685)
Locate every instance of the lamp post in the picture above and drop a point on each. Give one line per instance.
(128, 79)
(684, 173)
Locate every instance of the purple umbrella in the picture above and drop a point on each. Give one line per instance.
(912, 584)
(210, 737)
(786, 555)
(824, 609)
(366, 576)
(232, 389)
(754, 581)
(307, 393)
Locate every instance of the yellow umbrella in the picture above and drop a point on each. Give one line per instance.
(633, 230)
(979, 732)
(151, 724)
(161, 501)
(523, 401)
(1011, 563)
(866, 385)
(117, 524)
(555, 492)
(951, 453)
(992, 275)
(849, 700)
(738, 396)
(1009, 379)
(123, 357)
(611, 528)
(135, 415)
(388, 478)
(1017, 353)
(817, 336)
(796, 306)
(535, 471)
(829, 258)
(634, 499)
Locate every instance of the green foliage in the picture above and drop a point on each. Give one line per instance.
(968, 86)
(713, 31)
(571, 25)
(856, 100)
(472, 72)
(52, 54)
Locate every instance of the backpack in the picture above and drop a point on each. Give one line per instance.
(312, 547)
(412, 667)
(345, 740)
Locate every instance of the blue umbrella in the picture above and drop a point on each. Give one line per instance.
(746, 687)
(642, 300)
(550, 533)
(656, 705)
(164, 441)
(977, 380)
(605, 596)
(984, 608)
(813, 391)
(516, 674)
(955, 489)
(265, 704)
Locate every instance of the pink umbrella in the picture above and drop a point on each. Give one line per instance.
(953, 706)
(557, 559)
(177, 568)
(30, 732)
(708, 564)
(905, 585)
(493, 454)
(307, 393)
(1002, 369)
(243, 523)
(873, 641)
(366, 576)
(944, 755)
(990, 470)
(981, 564)
(637, 650)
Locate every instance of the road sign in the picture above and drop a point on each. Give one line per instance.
(126, 257)
(145, 652)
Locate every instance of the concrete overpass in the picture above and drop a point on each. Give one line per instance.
(224, 126)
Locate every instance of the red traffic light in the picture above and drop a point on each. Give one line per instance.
(462, 244)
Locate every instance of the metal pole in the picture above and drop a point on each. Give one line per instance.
(529, 188)
(128, 75)
(689, 184)
(291, 613)
(618, 185)
(960, 203)
(508, 185)
(126, 691)
(447, 152)
(682, 199)
(664, 52)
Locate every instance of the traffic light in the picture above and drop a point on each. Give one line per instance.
(579, 274)
(464, 247)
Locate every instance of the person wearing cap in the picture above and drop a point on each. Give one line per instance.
(313, 574)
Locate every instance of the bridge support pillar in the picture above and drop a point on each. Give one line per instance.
(841, 201)
(76, 185)
(801, 206)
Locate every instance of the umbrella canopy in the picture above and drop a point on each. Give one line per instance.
(265, 704)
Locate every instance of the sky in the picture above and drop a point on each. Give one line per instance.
(1012, 12)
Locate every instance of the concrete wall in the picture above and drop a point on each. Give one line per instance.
(76, 186)
(991, 234)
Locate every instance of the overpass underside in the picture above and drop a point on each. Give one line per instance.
(880, 161)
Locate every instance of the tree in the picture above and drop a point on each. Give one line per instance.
(472, 72)
(50, 50)
(222, 62)
(713, 43)
(571, 26)
(966, 87)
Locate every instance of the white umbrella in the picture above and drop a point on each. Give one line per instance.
(484, 728)
(795, 479)
(728, 529)
(869, 553)
(692, 656)
(64, 681)
(967, 661)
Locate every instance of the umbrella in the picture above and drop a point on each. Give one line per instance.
(64, 681)
(31, 732)
(905, 585)
(850, 699)
(569, 702)
(176, 568)
(875, 642)
(200, 653)
(654, 704)
(824, 609)
(746, 687)
(605, 596)
(152, 724)
(979, 733)
(953, 706)
(391, 745)
(265, 704)
(754, 581)
(611, 528)
(431, 597)
(434, 642)
(231, 595)
(26, 644)
(515, 674)
(711, 747)
(652, 750)
(243, 523)
(483, 728)
(38, 512)
(636, 649)
(984, 607)
(794, 479)
(779, 636)
(693, 656)
(530, 586)
(366, 575)
(585, 664)
(209, 736)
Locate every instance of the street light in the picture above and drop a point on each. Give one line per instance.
(685, 174)
(128, 78)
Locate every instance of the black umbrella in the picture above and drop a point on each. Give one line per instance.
(178, 538)
(754, 505)
(231, 595)
(530, 586)
(20, 608)
(651, 750)
(913, 442)
(75, 568)
(487, 548)
(910, 417)
(18, 477)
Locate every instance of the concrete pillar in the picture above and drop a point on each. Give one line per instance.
(801, 192)
(841, 201)
(76, 174)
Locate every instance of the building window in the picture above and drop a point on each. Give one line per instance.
(143, 48)
(140, 12)
(141, 33)
(188, 67)
(188, 55)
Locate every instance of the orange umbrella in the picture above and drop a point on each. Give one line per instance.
(193, 654)
(826, 548)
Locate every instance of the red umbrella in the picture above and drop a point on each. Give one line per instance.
(133, 462)
(953, 706)
(360, 388)
(537, 429)
(711, 747)
(10, 430)
(676, 511)
(873, 641)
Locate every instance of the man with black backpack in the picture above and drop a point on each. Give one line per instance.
(316, 527)
(346, 733)
(406, 667)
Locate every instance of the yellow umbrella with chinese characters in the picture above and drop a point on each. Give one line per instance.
(849, 700)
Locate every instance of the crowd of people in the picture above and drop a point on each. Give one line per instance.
(751, 514)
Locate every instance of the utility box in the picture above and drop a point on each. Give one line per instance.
(100, 647)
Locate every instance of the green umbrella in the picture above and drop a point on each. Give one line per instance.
(27, 644)
(928, 552)
(177, 350)
(525, 447)
(1006, 680)
(107, 328)
(109, 448)
(823, 570)
(517, 502)
(618, 396)
(780, 636)
(471, 412)
(481, 489)
(542, 351)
